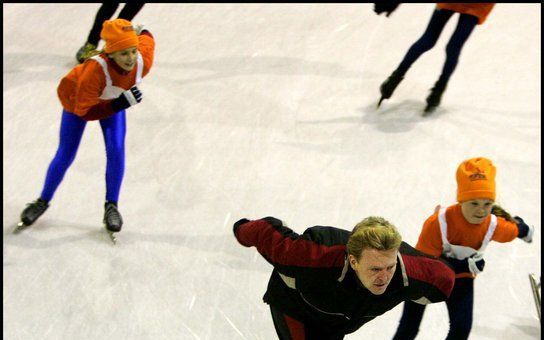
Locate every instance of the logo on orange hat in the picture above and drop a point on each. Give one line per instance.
(477, 176)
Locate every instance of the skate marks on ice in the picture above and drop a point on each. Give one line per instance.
(55, 233)
(398, 117)
(418, 107)
(508, 331)
(235, 66)
(24, 68)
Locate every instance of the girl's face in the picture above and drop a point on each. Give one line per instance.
(126, 59)
(475, 211)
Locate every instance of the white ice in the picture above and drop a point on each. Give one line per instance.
(253, 110)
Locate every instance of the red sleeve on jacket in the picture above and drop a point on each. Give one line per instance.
(433, 274)
(282, 246)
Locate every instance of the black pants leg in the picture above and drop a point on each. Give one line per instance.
(464, 28)
(427, 41)
(288, 328)
(412, 314)
(104, 13)
(130, 10)
(460, 308)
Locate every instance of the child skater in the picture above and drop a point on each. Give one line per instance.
(460, 234)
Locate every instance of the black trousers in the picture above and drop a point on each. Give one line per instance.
(106, 11)
(460, 307)
(289, 328)
(440, 17)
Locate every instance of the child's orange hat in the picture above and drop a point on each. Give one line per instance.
(119, 35)
(476, 179)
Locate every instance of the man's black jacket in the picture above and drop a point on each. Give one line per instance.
(313, 282)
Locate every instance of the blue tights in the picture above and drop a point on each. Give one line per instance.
(440, 17)
(71, 131)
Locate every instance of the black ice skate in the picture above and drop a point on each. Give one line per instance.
(433, 100)
(85, 52)
(112, 219)
(389, 85)
(32, 212)
(535, 286)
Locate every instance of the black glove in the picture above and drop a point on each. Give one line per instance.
(525, 232)
(127, 99)
(471, 264)
(238, 224)
(387, 6)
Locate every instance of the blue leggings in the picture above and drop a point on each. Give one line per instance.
(440, 17)
(460, 306)
(71, 131)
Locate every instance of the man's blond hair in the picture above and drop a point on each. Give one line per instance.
(375, 233)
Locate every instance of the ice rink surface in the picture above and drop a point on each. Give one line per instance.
(254, 110)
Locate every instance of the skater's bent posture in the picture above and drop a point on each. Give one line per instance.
(460, 234)
(471, 14)
(328, 282)
(99, 89)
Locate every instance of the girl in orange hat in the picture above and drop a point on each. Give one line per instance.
(471, 14)
(105, 12)
(100, 89)
(460, 234)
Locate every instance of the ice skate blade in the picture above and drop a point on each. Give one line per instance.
(535, 286)
(428, 110)
(111, 234)
(380, 102)
(20, 227)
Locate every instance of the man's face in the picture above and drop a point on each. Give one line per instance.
(475, 211)
(375, 268)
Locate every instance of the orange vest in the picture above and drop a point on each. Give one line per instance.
(462, 233)
(479, 10)
(83, 86)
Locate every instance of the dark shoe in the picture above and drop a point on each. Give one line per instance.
(112, 218)
(33, 211)
(389, 85)
(86, 51)
(433, 100)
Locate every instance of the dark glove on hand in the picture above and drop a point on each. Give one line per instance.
(459, 266)
(525, 232)
(462, 266)
(127, 99)
(476, 263)
(387, 6)
(238, 224)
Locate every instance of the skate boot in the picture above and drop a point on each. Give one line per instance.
(433, 100)
(389, 85)
(85, 52)
(32, 212)
(112, 218)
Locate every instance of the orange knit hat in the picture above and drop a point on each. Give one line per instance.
(119, 35)
(476, 179)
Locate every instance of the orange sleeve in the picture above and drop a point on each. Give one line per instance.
(89, 88)
(506, 231)
(430, 239)
(81, 89)
(146, 46)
